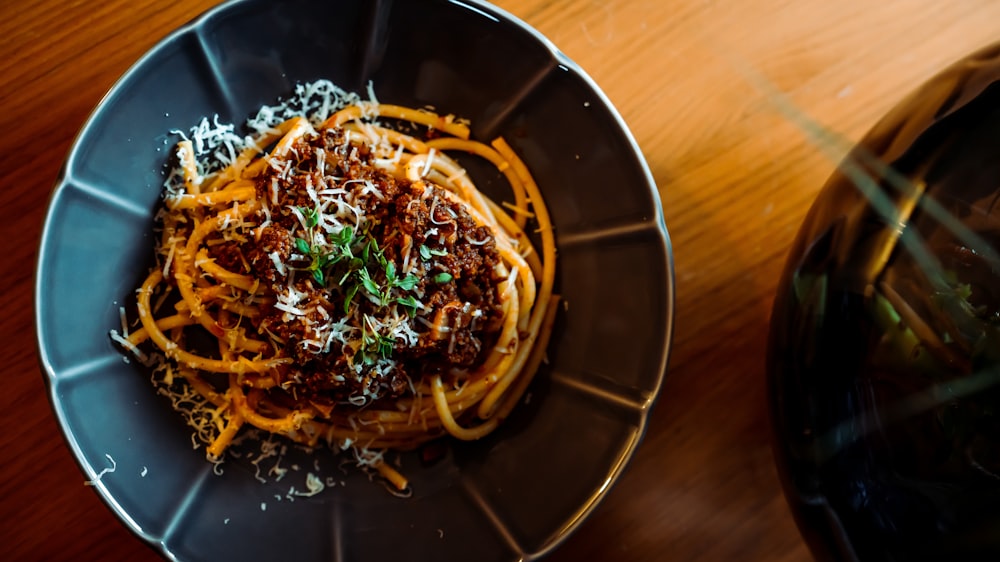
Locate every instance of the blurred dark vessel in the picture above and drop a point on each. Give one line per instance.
(884, 357)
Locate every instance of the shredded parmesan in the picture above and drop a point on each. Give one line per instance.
(107, 470)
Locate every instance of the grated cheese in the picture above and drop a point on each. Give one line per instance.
(107, 470)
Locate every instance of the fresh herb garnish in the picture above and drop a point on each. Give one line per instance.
(302, 246)
(373, 344)
(410, 304)
(368, 283)
(407, 283)
(427, 253)
(311, 216)
(355, 262)
(349, 296)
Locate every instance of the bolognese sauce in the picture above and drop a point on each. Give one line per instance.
(377, 279)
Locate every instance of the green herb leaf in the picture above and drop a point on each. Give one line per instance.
(442, 277)
(318, 276)
(408, 282)
(425, 252)
(385, 346)
(410, 304)
(378, 254)
(345, 237)
(328, 260)
(302, 246)
(349, 296)
(310, 215)
(370, 285)
(390, 272)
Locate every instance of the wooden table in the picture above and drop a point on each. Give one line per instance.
(735, 177)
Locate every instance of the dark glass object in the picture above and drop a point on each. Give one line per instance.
(884, 358)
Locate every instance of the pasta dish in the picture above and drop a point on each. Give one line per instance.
(337, 277)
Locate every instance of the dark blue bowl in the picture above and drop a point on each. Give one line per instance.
(514, 495)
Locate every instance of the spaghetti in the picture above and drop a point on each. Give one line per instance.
(338, 277)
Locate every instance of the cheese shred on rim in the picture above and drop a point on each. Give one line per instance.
(337, 277)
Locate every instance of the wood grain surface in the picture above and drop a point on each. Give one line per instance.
(735, 177)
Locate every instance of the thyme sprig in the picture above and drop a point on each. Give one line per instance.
(357, 263)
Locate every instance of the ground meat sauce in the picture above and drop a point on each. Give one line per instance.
(410, 290)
